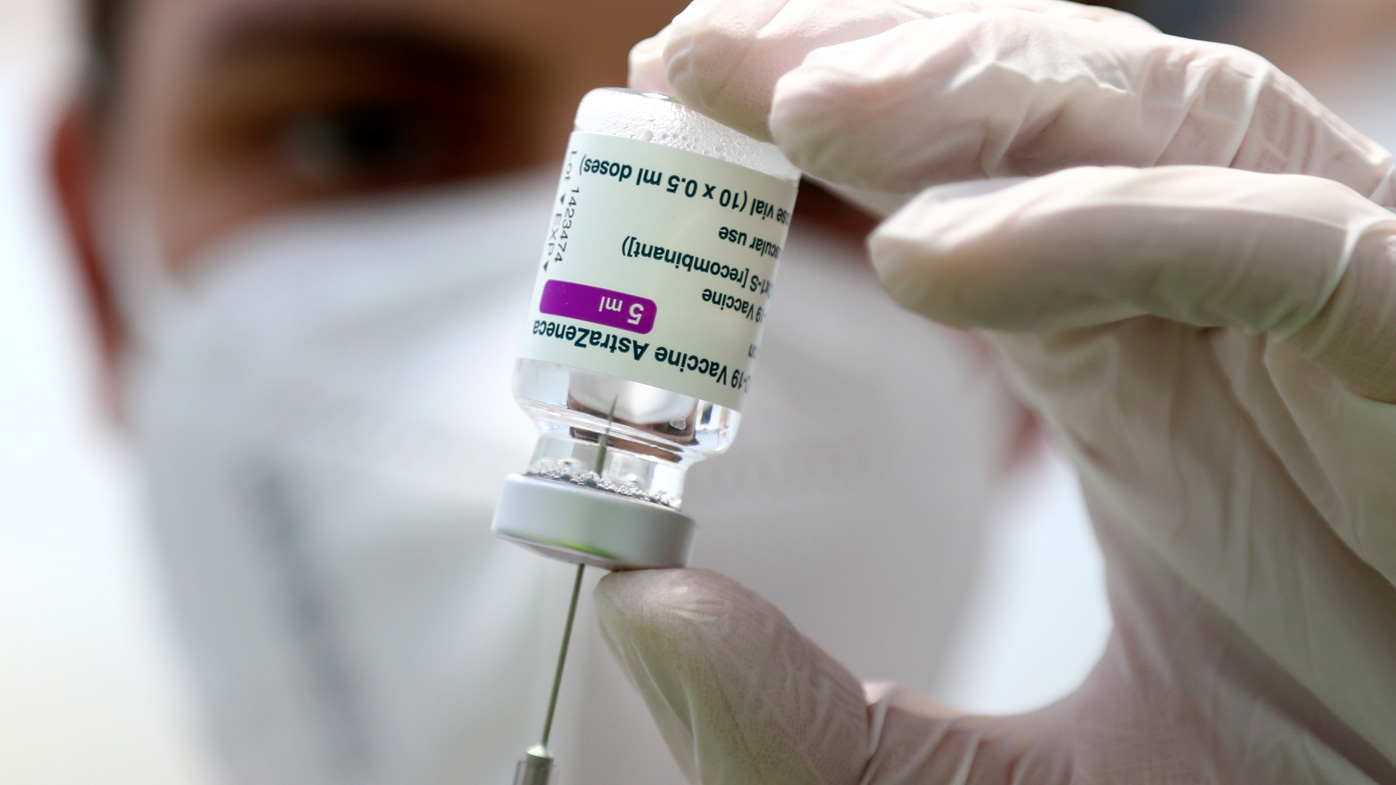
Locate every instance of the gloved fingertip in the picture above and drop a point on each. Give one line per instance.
(626, 591)
(852, 112)
(1353, 335)
(705, 652)
(708, 67)
(912, 253)
(896, 258)
(820, 112)
(923, 252)
(647, 68)
(664, 605)
(877, 691)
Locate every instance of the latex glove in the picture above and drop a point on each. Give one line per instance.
(1209, 330)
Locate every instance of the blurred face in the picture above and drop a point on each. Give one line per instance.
(227, 110)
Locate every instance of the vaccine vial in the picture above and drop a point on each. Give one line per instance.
(644, 325)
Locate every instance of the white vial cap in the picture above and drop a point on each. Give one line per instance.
(586, 526)
(657, 118)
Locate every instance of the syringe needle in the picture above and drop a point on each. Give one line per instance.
(562, 655)
(537, 766)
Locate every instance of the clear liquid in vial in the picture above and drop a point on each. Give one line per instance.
(616, 435)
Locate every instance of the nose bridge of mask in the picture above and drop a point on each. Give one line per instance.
(352, 249)
(388, 306)
(374, 253)
(317, 269)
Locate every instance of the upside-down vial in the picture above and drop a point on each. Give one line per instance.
(644, 325)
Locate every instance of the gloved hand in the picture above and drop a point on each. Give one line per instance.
(1197, 290)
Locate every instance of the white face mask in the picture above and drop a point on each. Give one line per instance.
(324, 415)
(372, 303)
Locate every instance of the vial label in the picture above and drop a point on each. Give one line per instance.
(658, 267)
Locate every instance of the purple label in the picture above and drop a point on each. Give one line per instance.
(598, 306)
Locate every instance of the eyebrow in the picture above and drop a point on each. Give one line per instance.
(394, 43)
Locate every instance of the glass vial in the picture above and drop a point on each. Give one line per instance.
(646, 317)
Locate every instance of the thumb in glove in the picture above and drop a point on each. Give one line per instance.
(742, 697)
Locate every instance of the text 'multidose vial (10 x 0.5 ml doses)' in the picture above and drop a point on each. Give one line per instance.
(644, 325)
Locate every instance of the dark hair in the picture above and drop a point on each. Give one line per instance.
(102, 29)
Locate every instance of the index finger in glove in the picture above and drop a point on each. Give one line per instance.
(1002, 93)
(724, 57)
(1302, 258)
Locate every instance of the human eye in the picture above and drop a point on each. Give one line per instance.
(301, 128)
(381, 141)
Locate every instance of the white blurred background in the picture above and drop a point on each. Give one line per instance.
(88, 687)
(90, 684)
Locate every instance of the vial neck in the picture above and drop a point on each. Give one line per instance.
(609, 464)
